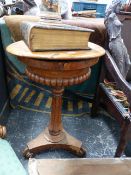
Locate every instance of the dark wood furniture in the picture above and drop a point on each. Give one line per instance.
(111, 72)
(103, 96)
(57, 69)
(94, 166)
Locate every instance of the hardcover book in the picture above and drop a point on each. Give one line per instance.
(40, 36)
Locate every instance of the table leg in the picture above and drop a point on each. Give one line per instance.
(54, 136)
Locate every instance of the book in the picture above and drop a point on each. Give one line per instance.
(40, 36)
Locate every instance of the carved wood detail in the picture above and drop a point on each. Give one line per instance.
(56, 81)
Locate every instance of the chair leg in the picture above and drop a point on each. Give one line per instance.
(95, 104)
(123, 139)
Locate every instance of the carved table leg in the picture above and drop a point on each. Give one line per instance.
(54, 135)
(2, 131)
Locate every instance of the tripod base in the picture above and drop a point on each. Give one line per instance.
(46, 141)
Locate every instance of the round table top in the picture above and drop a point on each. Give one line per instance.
(20, 49)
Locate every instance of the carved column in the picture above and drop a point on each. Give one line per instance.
(55, 125)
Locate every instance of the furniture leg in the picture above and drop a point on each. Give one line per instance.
(123, 139)
(96, 104)
(98, 94)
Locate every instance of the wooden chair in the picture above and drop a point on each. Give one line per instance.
(110, 71)
(103, 96)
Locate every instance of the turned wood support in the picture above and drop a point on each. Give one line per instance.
(55, 125)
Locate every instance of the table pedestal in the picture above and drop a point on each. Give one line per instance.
(54, 136)
(42, 143)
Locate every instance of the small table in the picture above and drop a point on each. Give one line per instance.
(57, 69)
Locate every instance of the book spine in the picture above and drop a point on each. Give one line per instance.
(26, 31)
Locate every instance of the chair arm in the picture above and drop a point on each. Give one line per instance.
(120, 81)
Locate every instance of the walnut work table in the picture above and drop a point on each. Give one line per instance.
(57, 69)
